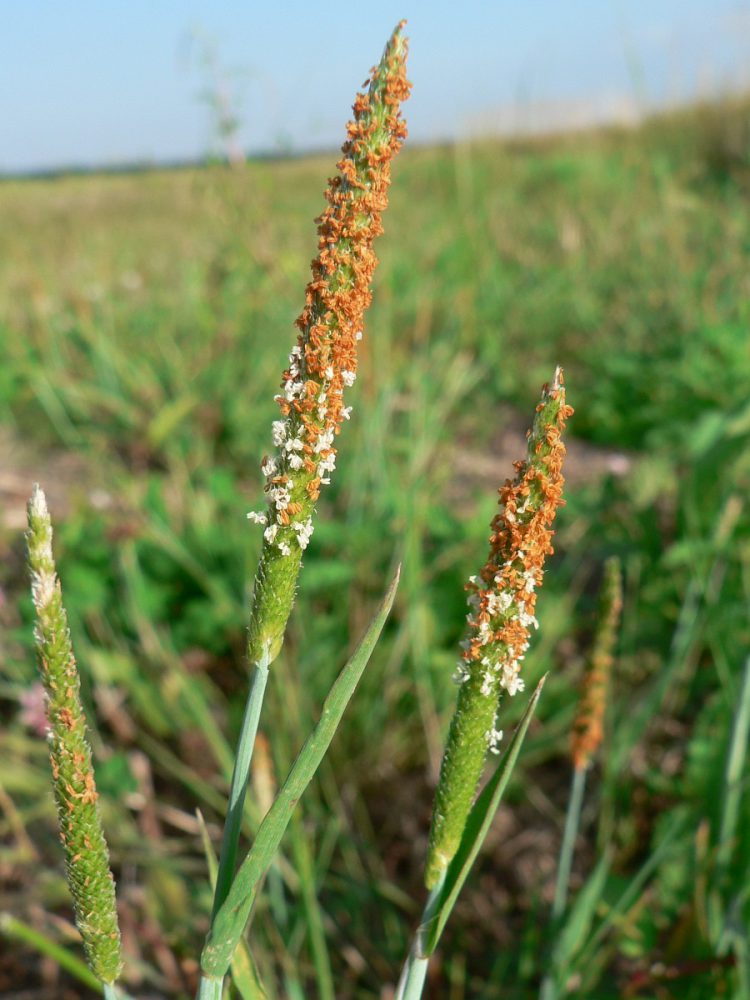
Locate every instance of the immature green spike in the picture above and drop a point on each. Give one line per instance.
(502, 600)
(86, 855)
(323, 364)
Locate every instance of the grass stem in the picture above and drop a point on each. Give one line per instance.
(733, 783)
(210, 989)
(567, 849)
(412, 978)
(564, 865)
(414, 973)
(233, 825)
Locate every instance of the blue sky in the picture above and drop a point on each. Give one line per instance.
(92, 83)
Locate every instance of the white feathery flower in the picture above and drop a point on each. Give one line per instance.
(279, 431)
(348, 378)
(304, 531)
(493, 737)
(497, 604)
(293, 389)
(325, 440)
(257, 517)
(281, 497)
(511, 681)
(270, 533)
(461, 673)
(487, 679)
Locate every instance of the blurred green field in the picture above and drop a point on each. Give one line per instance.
(144, 323)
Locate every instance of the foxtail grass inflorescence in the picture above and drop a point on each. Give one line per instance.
(86, 855)
(502, 600)
(588, 727)
(323, 363)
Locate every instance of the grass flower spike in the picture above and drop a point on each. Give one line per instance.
(323, 363)
(502, 599)
(86, 854)
(588, 726)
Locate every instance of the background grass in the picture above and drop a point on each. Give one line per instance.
(144, 323)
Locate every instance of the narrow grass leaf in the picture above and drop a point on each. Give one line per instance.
(631, 893)
(575, 931)
(16, 930)
(477, 828)
(245, 975)
(734, 784)
(230, 921)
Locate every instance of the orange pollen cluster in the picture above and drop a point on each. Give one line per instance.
(588, 729)
(503, 596)
(323, 363)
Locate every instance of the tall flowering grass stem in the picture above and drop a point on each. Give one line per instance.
(240, 774)
(322, 365)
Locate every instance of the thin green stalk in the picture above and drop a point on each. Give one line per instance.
(210, 989)
(564, 865)
(567, 849)
(413, 978)
(233, 824)
(733, 781)
(414, 973)
(229, 924)
(110, 993)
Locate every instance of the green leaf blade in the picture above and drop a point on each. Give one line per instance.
(230, 921)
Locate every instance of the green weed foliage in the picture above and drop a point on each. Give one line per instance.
(142, 320)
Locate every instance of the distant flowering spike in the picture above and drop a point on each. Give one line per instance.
(588, 727)
(86, 855)
(501, 600)
(324, 360)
